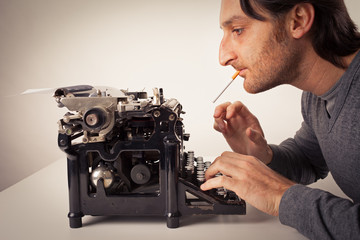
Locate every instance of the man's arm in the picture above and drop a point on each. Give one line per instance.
(318, 214)
(300, 158)
(315, 213)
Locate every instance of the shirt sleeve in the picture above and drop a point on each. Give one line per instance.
(300, 158)
(318, 214)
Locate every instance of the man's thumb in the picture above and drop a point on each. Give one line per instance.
(254, 135)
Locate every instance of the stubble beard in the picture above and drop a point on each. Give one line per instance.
(277, 64)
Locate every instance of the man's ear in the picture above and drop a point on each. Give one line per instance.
(301, 19)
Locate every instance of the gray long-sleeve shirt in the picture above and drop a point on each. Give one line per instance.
(329, 140)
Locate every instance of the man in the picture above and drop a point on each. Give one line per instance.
(312, 45)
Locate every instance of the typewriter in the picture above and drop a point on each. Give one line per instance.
(126, 156)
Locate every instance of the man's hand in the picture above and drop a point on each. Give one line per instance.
(250, 179)
(242, 130)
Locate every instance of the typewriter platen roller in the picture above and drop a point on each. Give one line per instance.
(125, 155)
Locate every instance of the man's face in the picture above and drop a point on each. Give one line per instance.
(261, 50)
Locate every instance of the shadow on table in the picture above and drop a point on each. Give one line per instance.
(253, 216)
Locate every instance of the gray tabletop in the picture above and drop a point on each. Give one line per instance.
(37, 207)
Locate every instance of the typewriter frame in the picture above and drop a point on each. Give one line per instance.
(178, 194)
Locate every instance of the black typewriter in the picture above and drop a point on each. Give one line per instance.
(125, 156)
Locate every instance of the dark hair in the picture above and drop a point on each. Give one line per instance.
(334, 34)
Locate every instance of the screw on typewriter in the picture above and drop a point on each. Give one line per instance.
(125, 156)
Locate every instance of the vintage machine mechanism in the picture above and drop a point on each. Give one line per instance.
(125, 156)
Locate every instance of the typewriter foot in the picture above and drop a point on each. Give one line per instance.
(75, 220)
(173, 222)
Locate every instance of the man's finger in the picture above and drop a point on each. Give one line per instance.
(217, 182)
(223, 164)
(220, 110)
(219, 125)
(238, 108)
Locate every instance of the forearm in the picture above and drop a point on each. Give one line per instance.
(318, 214)
(290, 162)
(300, 158)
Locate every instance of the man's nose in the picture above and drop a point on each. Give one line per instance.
(226, 52)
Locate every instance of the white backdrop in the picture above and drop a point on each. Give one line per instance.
(124, 44)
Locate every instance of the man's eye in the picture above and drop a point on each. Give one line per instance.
(238, 31)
